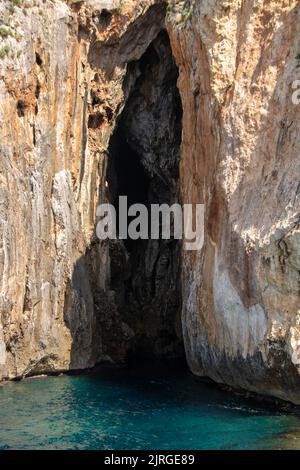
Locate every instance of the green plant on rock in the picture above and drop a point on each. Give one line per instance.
(4, 51)
(185, 14)
(4, 32)
(182, 9)
(17, 3)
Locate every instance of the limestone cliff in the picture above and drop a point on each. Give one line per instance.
(67, 74)
(241, 157)
(61, 89)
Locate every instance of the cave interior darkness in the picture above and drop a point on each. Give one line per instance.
(143, 164)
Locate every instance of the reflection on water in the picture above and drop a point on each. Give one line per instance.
(122, 409)
(289, 440)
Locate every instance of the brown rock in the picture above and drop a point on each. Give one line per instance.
(59, 101)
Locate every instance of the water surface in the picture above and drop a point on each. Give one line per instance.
(123, 409)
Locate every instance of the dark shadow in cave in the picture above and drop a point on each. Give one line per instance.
(143, 164)
(126, 176)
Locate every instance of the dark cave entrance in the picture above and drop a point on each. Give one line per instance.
(143, 164)
(126, 176)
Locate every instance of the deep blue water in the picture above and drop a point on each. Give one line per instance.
(119, 409)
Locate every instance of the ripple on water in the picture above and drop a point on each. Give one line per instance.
(126, 410)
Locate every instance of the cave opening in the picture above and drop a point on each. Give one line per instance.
(126, 176)
(143, 164)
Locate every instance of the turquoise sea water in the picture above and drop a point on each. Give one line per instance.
(121, 409)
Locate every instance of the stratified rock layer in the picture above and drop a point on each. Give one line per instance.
(61, 90)
(59, 100)
(240, 156)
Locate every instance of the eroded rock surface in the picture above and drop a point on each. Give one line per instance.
(240, 156)
(143, 164)
(62, 88)
(61, 91)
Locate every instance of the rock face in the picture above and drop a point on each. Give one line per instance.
(143, 164)
(69, 78)
(61, 91)
(240, 156)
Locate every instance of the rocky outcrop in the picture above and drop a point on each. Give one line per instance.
(63, 72)
(240, 156)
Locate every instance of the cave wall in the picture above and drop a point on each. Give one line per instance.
(240, 156)
(143, 164)
(61, 90)
(60, 99)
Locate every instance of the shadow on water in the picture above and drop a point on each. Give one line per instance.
(133, 408)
